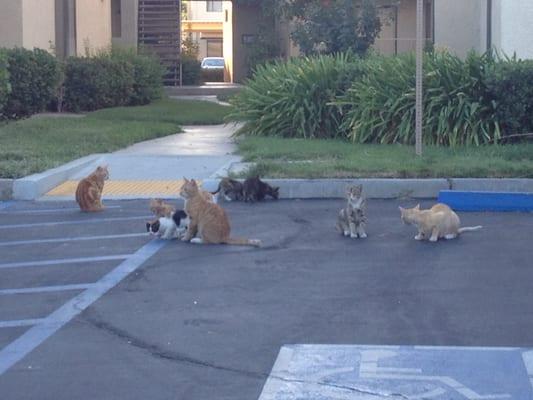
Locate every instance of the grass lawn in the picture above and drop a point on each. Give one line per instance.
(304, 158)
(36, 144)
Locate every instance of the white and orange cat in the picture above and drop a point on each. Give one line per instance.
(89, 190)
(440, 221)
(208, 221)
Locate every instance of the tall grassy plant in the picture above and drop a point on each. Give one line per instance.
(457, 108)
(293, 98)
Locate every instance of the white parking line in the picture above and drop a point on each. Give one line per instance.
(44, 289)
(72, 239)
(48, 210)
(20, 322)
(76, 222)
(33, 337)
(63, 261)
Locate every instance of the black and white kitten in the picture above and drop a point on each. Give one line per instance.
(254, 189)
(169, 228)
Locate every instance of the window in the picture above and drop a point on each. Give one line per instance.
(248, 39)
(214, 48)
(116, 19)
(214, 5)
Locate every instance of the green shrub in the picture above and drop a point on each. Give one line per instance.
(293, 98)
(97, 82)
(147, 75)
(457, 108)
(511, 87)
(4, 82)
(191, 71)
(34, 79)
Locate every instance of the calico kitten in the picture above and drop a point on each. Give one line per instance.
(440, 221)
(161, 209)
(207, 220)
(230, 189)
(89, 190)
(172, 227)
(254, 189)
(351, 220)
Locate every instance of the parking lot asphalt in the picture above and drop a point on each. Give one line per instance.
(207, 322)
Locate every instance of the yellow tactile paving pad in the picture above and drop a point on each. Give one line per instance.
(124, 188)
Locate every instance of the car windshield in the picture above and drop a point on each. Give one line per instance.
(214, 62)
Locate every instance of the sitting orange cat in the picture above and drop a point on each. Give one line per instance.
(89, 190)
(207, 219)
(440, 221)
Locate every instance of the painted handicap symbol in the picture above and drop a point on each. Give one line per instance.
(337, 372)
(369, 369)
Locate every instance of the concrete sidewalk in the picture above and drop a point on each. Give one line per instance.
(156, 167)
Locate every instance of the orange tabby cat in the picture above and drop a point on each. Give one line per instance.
(440, 221)
(207, 219)
(89, 190)
(161, 209)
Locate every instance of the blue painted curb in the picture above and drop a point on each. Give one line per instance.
(487, 201)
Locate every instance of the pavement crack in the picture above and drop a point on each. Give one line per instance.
(172, 356)
(157, 352)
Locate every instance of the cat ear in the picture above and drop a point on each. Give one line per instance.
(417, 206)
(194, 182)
(401, 208)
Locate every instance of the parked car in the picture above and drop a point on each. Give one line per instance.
(213, 69)
(213, 63)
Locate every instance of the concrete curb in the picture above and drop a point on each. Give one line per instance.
(336, 188)
(492, 185)
(386, 188)
(34, 186)
(6, 189)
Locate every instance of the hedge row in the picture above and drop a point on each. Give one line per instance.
(32, 80)
(469, 101)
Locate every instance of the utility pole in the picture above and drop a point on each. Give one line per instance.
(419, 73)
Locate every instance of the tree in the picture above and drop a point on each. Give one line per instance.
(330, 26)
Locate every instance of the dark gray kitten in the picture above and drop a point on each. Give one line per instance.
(254, 189)
(230, 189)
(351, 220)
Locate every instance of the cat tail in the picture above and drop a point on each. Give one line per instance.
(244, 242)
(469, 228)
(216, 191)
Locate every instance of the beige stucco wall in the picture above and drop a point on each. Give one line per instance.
(38, 24)
(460, 25)
(227, 44)
(197, 11)
(512, 27)
(10, 23)
(27, 23)
(129, 24)
(246, 20)
(93, 25)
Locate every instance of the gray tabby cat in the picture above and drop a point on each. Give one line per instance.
(352, 218)
(230, 189)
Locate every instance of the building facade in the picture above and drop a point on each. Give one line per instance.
(203, 24)
(68, 27)
(502, 25)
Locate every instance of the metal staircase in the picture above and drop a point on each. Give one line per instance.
(160, 33)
